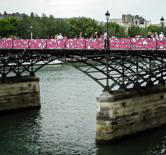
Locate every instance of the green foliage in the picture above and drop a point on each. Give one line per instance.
(82, 24)
(133, 31)
(154, 29)
(115, 30)
(8, 26)
(44, 27)
(23, 28)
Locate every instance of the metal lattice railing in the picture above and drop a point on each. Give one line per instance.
(114, 43)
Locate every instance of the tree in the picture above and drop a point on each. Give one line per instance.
(115, 29)
(8, 26)
(46, 26)
(133, 31)
(153, 29)
(82, 24)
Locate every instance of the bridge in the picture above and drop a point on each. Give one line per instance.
(128, 63)
(132, 73)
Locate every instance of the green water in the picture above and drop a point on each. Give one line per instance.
(66, 122)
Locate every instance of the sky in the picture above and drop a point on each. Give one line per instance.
(151, 10)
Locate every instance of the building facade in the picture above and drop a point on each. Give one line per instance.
(131, 20)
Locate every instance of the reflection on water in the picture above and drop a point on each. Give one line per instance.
(18, 132)
(66, 122)
(148, 143)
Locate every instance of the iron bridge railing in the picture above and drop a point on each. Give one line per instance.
(114, 43)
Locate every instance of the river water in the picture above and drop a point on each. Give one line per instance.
(66, 122)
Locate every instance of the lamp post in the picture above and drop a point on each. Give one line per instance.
(31, 27)
(162, 23)
(107, 15)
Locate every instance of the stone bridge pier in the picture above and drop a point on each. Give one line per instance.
(19, 92)
(127, 112)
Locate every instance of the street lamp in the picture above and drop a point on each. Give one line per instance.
(162, 23)
(106, 41)
(31, 27)
(107, 15)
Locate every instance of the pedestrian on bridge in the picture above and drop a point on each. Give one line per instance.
(150, 35)
(60, 37)
(161, 36)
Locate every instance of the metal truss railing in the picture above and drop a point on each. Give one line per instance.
(116, 69)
